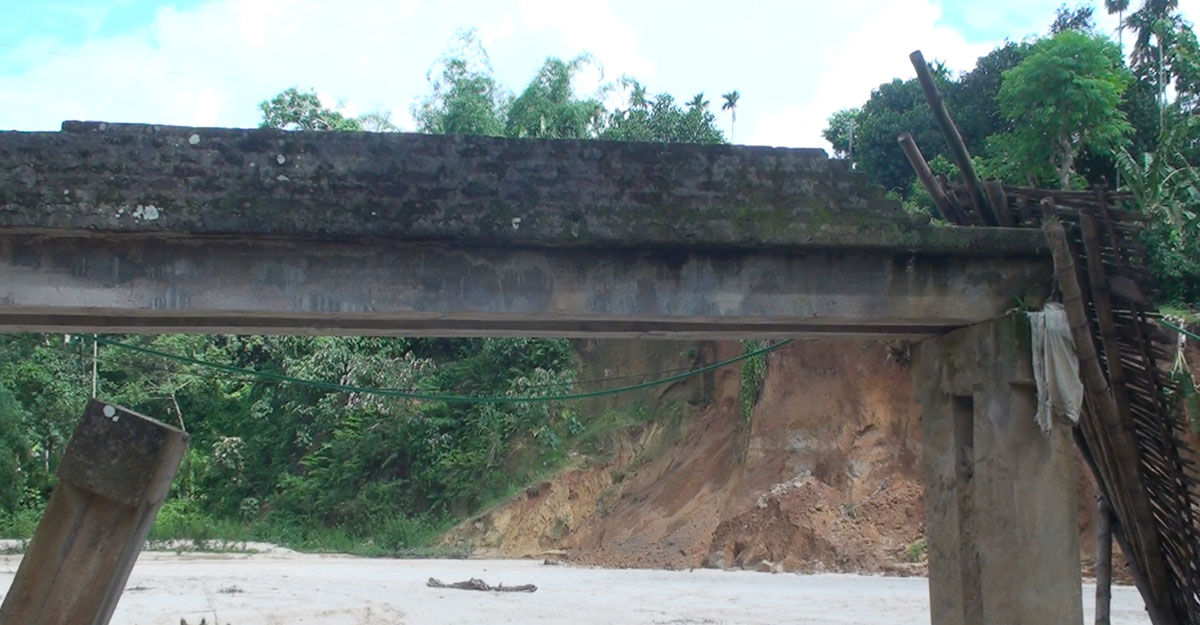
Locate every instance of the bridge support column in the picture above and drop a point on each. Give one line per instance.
(999, 493)
(112, 480)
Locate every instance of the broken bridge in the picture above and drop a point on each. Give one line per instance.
(134, 228)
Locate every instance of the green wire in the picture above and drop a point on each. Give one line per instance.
(460, 399)
(1178, 329)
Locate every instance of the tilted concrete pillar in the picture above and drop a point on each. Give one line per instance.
(1000, 493)
(112, 480)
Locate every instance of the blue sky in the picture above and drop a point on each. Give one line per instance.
(210, 62)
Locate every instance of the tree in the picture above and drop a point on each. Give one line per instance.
(661, 120)
(1081, 18)
(378, 121)
(1166, 186)
(972, 98)
(548, 108)
(1119, 7)
(14, 450)
(893, 108)
(302, 110)
(698, 101)
(1064, 97)
(838, 130)
(637, 94)
(731, 104)
(1148, 24)
(465, 97)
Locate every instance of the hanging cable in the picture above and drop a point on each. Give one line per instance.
(406, 394)
(1183, 331)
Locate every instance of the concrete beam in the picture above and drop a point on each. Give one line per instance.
(95, 283)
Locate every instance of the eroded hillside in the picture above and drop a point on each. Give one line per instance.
(823, 474)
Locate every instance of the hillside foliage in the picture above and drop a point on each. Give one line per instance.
(1064, 110)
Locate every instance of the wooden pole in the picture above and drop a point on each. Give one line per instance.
(999, 202)
(112, 480)
(958, 149)
(1103, 559)
(949, 210)
(1102, 303)
(1135, 571)
(1129, 496)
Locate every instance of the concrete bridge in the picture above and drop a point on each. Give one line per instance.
(132, 228)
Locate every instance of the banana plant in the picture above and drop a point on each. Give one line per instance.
(1163, 183)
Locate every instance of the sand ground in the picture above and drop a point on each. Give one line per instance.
(280, 587)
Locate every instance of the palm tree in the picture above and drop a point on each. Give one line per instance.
(1146, 24)
(698, 102)
(637, 96)
(731, 102)
(1119, 7)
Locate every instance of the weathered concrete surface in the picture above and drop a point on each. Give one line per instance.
(1000, 494)
(131, 178)
(113, 479)
(157, 229)
(133, 285)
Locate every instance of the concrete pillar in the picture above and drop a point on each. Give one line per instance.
(112, 480)
(1000, 494)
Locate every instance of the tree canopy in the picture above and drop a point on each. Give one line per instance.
(1061, 110)
(302, 110)
(1064, 97)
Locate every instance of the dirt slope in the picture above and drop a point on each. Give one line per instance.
(823, 476)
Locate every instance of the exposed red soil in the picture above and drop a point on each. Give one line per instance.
(824, 476)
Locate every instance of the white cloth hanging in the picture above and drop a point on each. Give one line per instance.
(1055, 366)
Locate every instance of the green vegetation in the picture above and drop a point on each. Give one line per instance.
(1063, 110)
(917, 550)
(465, 98)
(297, 464)
(754, 374)
(1061, 99)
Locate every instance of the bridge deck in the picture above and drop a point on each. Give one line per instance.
(133, 228)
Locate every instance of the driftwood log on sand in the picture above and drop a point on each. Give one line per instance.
(479, 584)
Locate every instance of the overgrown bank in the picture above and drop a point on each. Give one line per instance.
(294, 464)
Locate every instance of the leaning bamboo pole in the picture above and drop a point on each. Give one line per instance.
(954, 140)
(949, 210)
(1116, 445)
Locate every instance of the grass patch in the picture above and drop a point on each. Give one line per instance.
(1189, 316)
(917, 550)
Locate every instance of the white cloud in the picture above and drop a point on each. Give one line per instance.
(591, 27)
(493, 33)
(873, 53)
(212, 63)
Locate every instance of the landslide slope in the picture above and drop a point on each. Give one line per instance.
(823, 474)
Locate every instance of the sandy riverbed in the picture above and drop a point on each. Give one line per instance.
(286, 588)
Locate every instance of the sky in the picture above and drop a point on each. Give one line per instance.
(211, 62)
